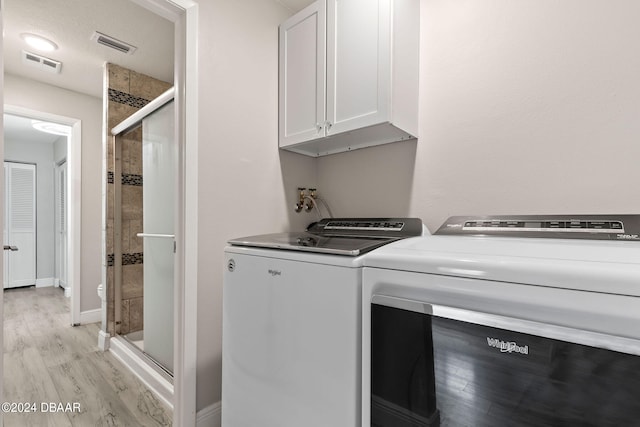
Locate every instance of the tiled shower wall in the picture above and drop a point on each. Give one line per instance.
(128, 91)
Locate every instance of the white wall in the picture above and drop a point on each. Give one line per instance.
(246, 185)
(45, 98)
(40, 153)
(526, 107)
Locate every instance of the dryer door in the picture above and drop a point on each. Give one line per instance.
(440, 366)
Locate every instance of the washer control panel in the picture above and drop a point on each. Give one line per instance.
(367, 227)
(364, 225)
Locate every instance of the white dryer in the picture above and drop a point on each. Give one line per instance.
(291, 352)
(474, 327)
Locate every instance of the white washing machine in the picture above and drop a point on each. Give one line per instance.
(291, 353)
(473, 327)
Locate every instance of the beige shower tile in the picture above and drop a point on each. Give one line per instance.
(146, 87)
(131, 202)
(124, 236)
(124, 155)
(110, 200)
(110, 284)
(118, 113)
(136, 314)
(124, 317)
(131, 154)
(109, 236)
(109, 154)
(136, 243)
(119, 78)
(132, 281)
(135, 157)
(135, 134)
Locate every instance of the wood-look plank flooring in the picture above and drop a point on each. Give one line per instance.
(48, 361)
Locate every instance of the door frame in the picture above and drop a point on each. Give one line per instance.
(184, 15)
(58, 168)
(74, 196)
(2, 198)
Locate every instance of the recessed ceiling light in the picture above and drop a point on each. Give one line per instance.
(54, 128)
(39, 42)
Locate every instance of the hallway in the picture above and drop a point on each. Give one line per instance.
(48, 361)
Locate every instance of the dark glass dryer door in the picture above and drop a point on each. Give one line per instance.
(430, 370)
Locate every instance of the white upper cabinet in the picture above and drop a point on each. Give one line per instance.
(302, 75)
(349, 75)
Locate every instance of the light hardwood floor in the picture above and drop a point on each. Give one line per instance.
(48, 361)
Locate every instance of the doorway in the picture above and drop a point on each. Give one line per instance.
(184, 13)
(63, 140)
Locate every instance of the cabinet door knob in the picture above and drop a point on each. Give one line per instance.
(328, 126)
(318, 127)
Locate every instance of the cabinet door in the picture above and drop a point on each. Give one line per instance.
(302, 75)
(358, 58)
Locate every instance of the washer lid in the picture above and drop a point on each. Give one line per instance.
(308, 242)
(339, 236)
(597, 266)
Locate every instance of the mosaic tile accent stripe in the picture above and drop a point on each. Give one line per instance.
(131, 179)
(127, 99)
(127, 259)
(110, 177)
(130, 259)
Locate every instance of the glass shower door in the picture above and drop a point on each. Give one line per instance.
(159, 154)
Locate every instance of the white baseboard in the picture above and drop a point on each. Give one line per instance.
(157, 383)
(91, 316)
(210, 416)
(45, 282)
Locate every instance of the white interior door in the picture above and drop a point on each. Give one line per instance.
(20, 224)
(61, 224)
(159, 155)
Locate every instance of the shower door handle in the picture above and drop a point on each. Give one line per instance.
(10, 248)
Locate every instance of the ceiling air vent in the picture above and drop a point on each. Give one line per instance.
(46, 64)
(113, 43)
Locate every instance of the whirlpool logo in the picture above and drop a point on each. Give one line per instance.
(628, 237)
(507, 346)
(275, 272)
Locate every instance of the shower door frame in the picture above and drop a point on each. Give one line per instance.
(131, 123)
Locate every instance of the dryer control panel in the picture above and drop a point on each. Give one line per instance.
(598, 227)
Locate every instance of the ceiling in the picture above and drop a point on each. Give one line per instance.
(18, 128)
(295, 5)
(71, 23)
